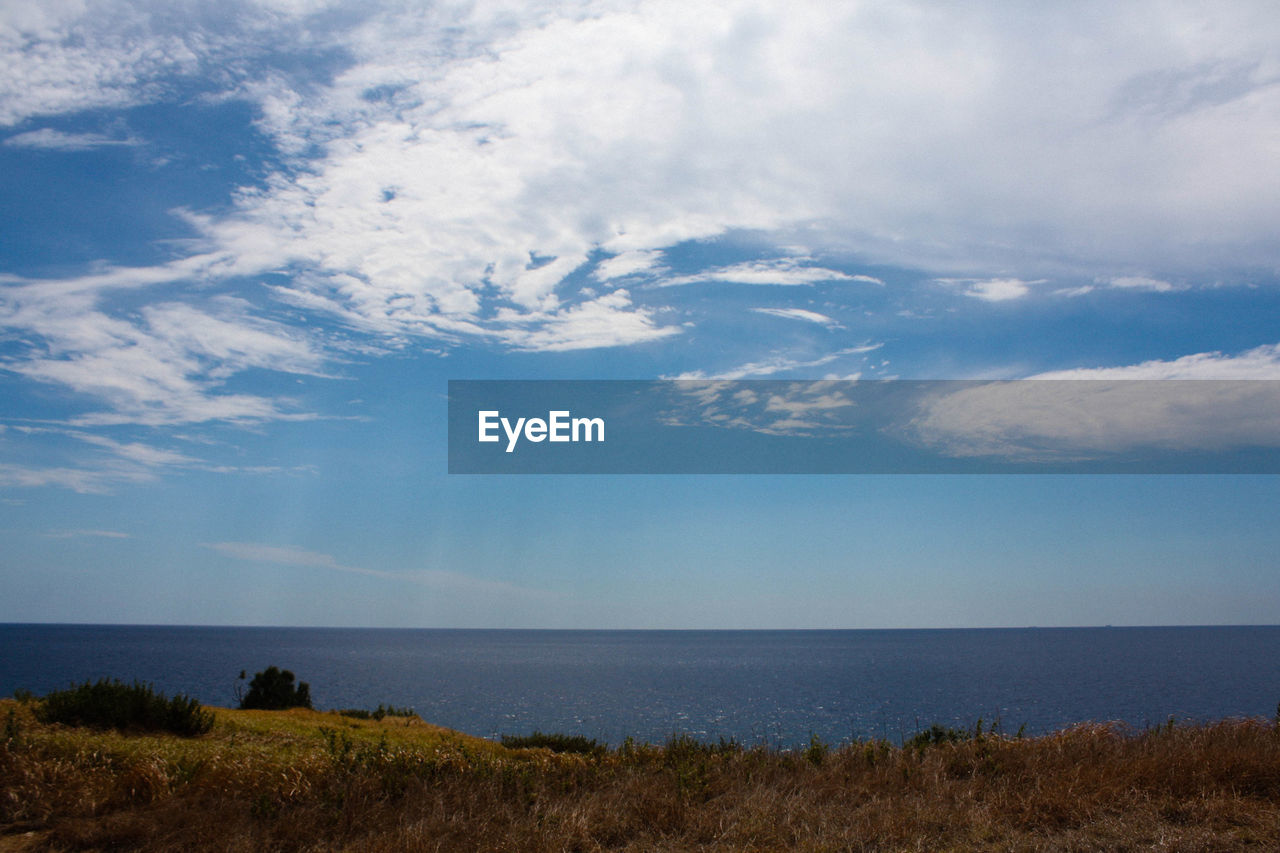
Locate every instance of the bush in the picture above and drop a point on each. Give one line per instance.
(555, 743)
(273, 690)
(935, 735)
(380, 713)
(113, 704)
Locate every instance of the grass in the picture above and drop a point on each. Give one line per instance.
(305, 780)
(555, 742)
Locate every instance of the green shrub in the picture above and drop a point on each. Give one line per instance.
(381, 712)
(555, 743)
(113, 704)
(354, 713)
(935, 735)
(817, 750)
(273, 690)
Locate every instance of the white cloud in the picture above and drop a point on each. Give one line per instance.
(974, 137)
(992, 289)
(607, 321)
(88, 481)
(1258, 363)
(102, 466)
(162, 365)
(777, 364)
(134, 451)
(460, 142)
(57, 140)
(799, 314)
(627, 264)
(1141, 282)
(783, 271)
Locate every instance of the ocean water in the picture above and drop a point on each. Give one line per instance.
(776, 687)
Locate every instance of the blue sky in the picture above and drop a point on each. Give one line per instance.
(245, 245)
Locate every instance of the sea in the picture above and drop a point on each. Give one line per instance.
(778, 688)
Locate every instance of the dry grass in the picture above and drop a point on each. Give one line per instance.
(303, 780)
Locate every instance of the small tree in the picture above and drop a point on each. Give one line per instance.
(273, 690)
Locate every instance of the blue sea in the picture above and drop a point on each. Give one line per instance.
(774, 687)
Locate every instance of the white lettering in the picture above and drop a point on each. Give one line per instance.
(486, 425)
(588, 424)
(513, 435)
(558, 427)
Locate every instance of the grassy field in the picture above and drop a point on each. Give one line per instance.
(305, 780)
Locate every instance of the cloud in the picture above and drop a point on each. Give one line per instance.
(1068, 420)
(628, 264)
(799, 314)
(1106, 410)
(443, 581)
(1258, 363)
(783, 271)
(443, 173)
(69, 56)
(772, 408)
(992, 289)
(96, 464)
(1141, 282)
(86, 481)
(977, 137)
(134, 451)
(778, 364)
(607, 321)
(279, 554)
(77, 534)
(56, 140)
(161, 365)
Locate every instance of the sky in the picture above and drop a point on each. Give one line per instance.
(244, 247)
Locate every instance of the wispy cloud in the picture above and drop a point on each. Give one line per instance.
(607, 321)
(628, 264)
(162, 365)
(1141, 282)
(800, 314)
(455, 582)
(1103, 410)
(779, 364)
(1094, 418)
(450, 174)
(93, 534)
(1258, 363)
(49, 139)
(782, 271)
(992, 289)
(87, 481)
(91, 463)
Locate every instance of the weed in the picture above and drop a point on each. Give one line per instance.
(577, 744)
(817, 750)
(935, 735)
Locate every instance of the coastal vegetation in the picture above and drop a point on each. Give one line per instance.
(307, 780)
(273, 690)
(113, 704)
